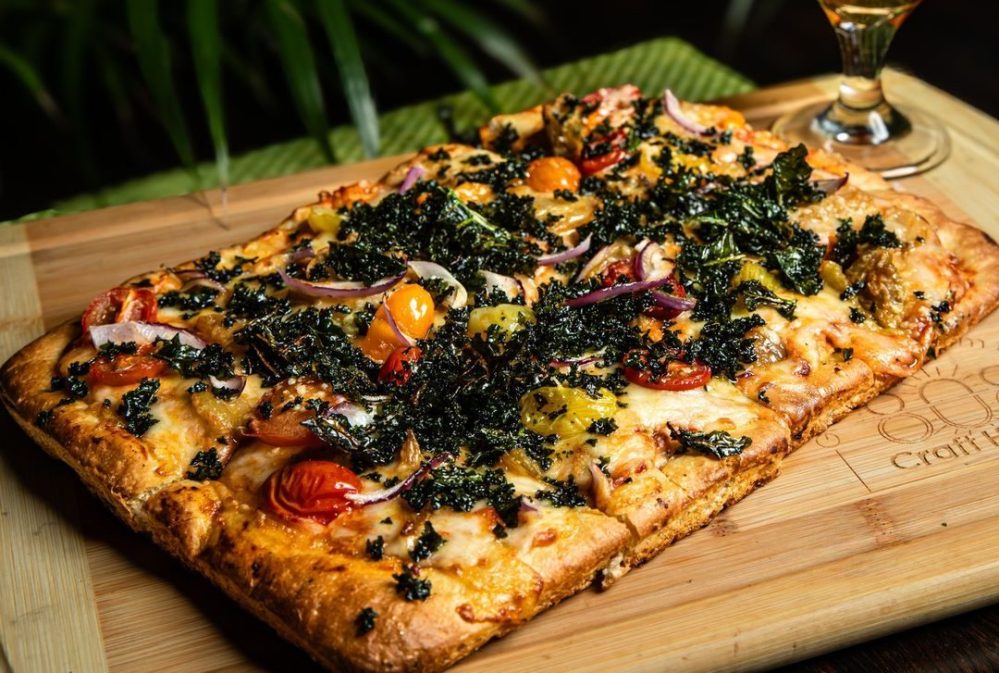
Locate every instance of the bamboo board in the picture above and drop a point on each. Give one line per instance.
(888, 520)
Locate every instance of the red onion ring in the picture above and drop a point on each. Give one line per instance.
(566, 255)
(511, 286)
(832, 185)
(597, 260)
(459, 296)
(300, 255)
(651, 262)
(412, 175)
(672, 107)
(578, 362)
(141, 333)
(528, 506)
(387, 494)
(673, 302)
(605, 293)
(235, 384)
(404, 339)
(339, 290)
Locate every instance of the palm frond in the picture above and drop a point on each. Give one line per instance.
(203, 29)
(450, 52)
(489, 36)
(26, 73)
(153, 50)
(374, 13)
(343, 41)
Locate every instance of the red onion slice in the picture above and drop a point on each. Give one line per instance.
(832, 185)
(235, 384)
(339, 290)
(403, 338)
(651, 262)
(672, 106)
(566, 255)
(496, 281)
(673, 302)
(141, 333)
(600, 259)
(458, 297)
(578, 362)
(300, 255)
(605, 293)
(412, 175)
(387, 494)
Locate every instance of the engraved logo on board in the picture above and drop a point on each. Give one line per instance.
(947, 414)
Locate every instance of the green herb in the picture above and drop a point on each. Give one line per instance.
(724, 346)
(194, 300)
(754, 294)
(410, 587)
(375, 548)
(602, 426)
(718, 444)
(349, 262)
(365, 621)
(562, 493)
(206, 466)
(428, 542)
(134, 407)
(460, 488)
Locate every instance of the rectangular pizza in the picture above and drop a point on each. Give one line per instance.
(420, 411)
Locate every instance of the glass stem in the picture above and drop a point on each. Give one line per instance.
(861, 115)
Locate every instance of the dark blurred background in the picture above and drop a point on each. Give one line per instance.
(950, 43)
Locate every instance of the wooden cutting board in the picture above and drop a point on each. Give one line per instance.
(888, 520)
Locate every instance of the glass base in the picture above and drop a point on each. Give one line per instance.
(913, 142)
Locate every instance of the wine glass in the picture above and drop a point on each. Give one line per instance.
(860, 124)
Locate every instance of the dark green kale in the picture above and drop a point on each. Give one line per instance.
(375, 548)
(306, 343)
(847, 354)
(873, 233)
(799, 262)
(252, 301)
(428, 542)
(350, 262)
(195, 300)
(602, 426)
(461, 487)
(718, 444)
(365, 621)
(937, 311)
(210, 265)
(191, 362)
(712, 267)
(724, 346)
(134, 407)
(856, 315)
(206, 465)
(111, 349)
(562, 493)
(410, 587)
(754, 294)
(44, 418)
(74, 384)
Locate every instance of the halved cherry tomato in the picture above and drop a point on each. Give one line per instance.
(622, 271)
(311, 489)
(679, 375)
(674, 288)
(550, 173)
(612, 147)
(398, 367)
(120, 304)
(412, 309)
(124, 370)
(284, 428)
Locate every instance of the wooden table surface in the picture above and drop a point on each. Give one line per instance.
(847, 546)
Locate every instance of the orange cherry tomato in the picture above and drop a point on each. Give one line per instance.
(550, 173)
(398, 366)
(678, 376)
(311, 489)
(120, 304)
(124, 370)
(412, 308)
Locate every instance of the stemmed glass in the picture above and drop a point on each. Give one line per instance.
(860, 124)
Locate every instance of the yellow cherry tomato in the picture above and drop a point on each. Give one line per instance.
(550, 173)
(565, 411)
(412, 308)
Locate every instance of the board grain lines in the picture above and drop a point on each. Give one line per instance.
(888, 520)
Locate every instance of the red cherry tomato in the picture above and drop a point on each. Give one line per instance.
(120, 304)
(398, 366)
(284, 428)
(621, 271)
(613, 146)
(125, 370)
(674, 288)
(678, 376)
(312, 489)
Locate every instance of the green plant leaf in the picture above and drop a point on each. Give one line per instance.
(300, 70)
(343, 41)
(153, 49)
(450, 52)
(389, 23)
(526, 9)
(29, 77)
(490, 37)
(203, 29)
